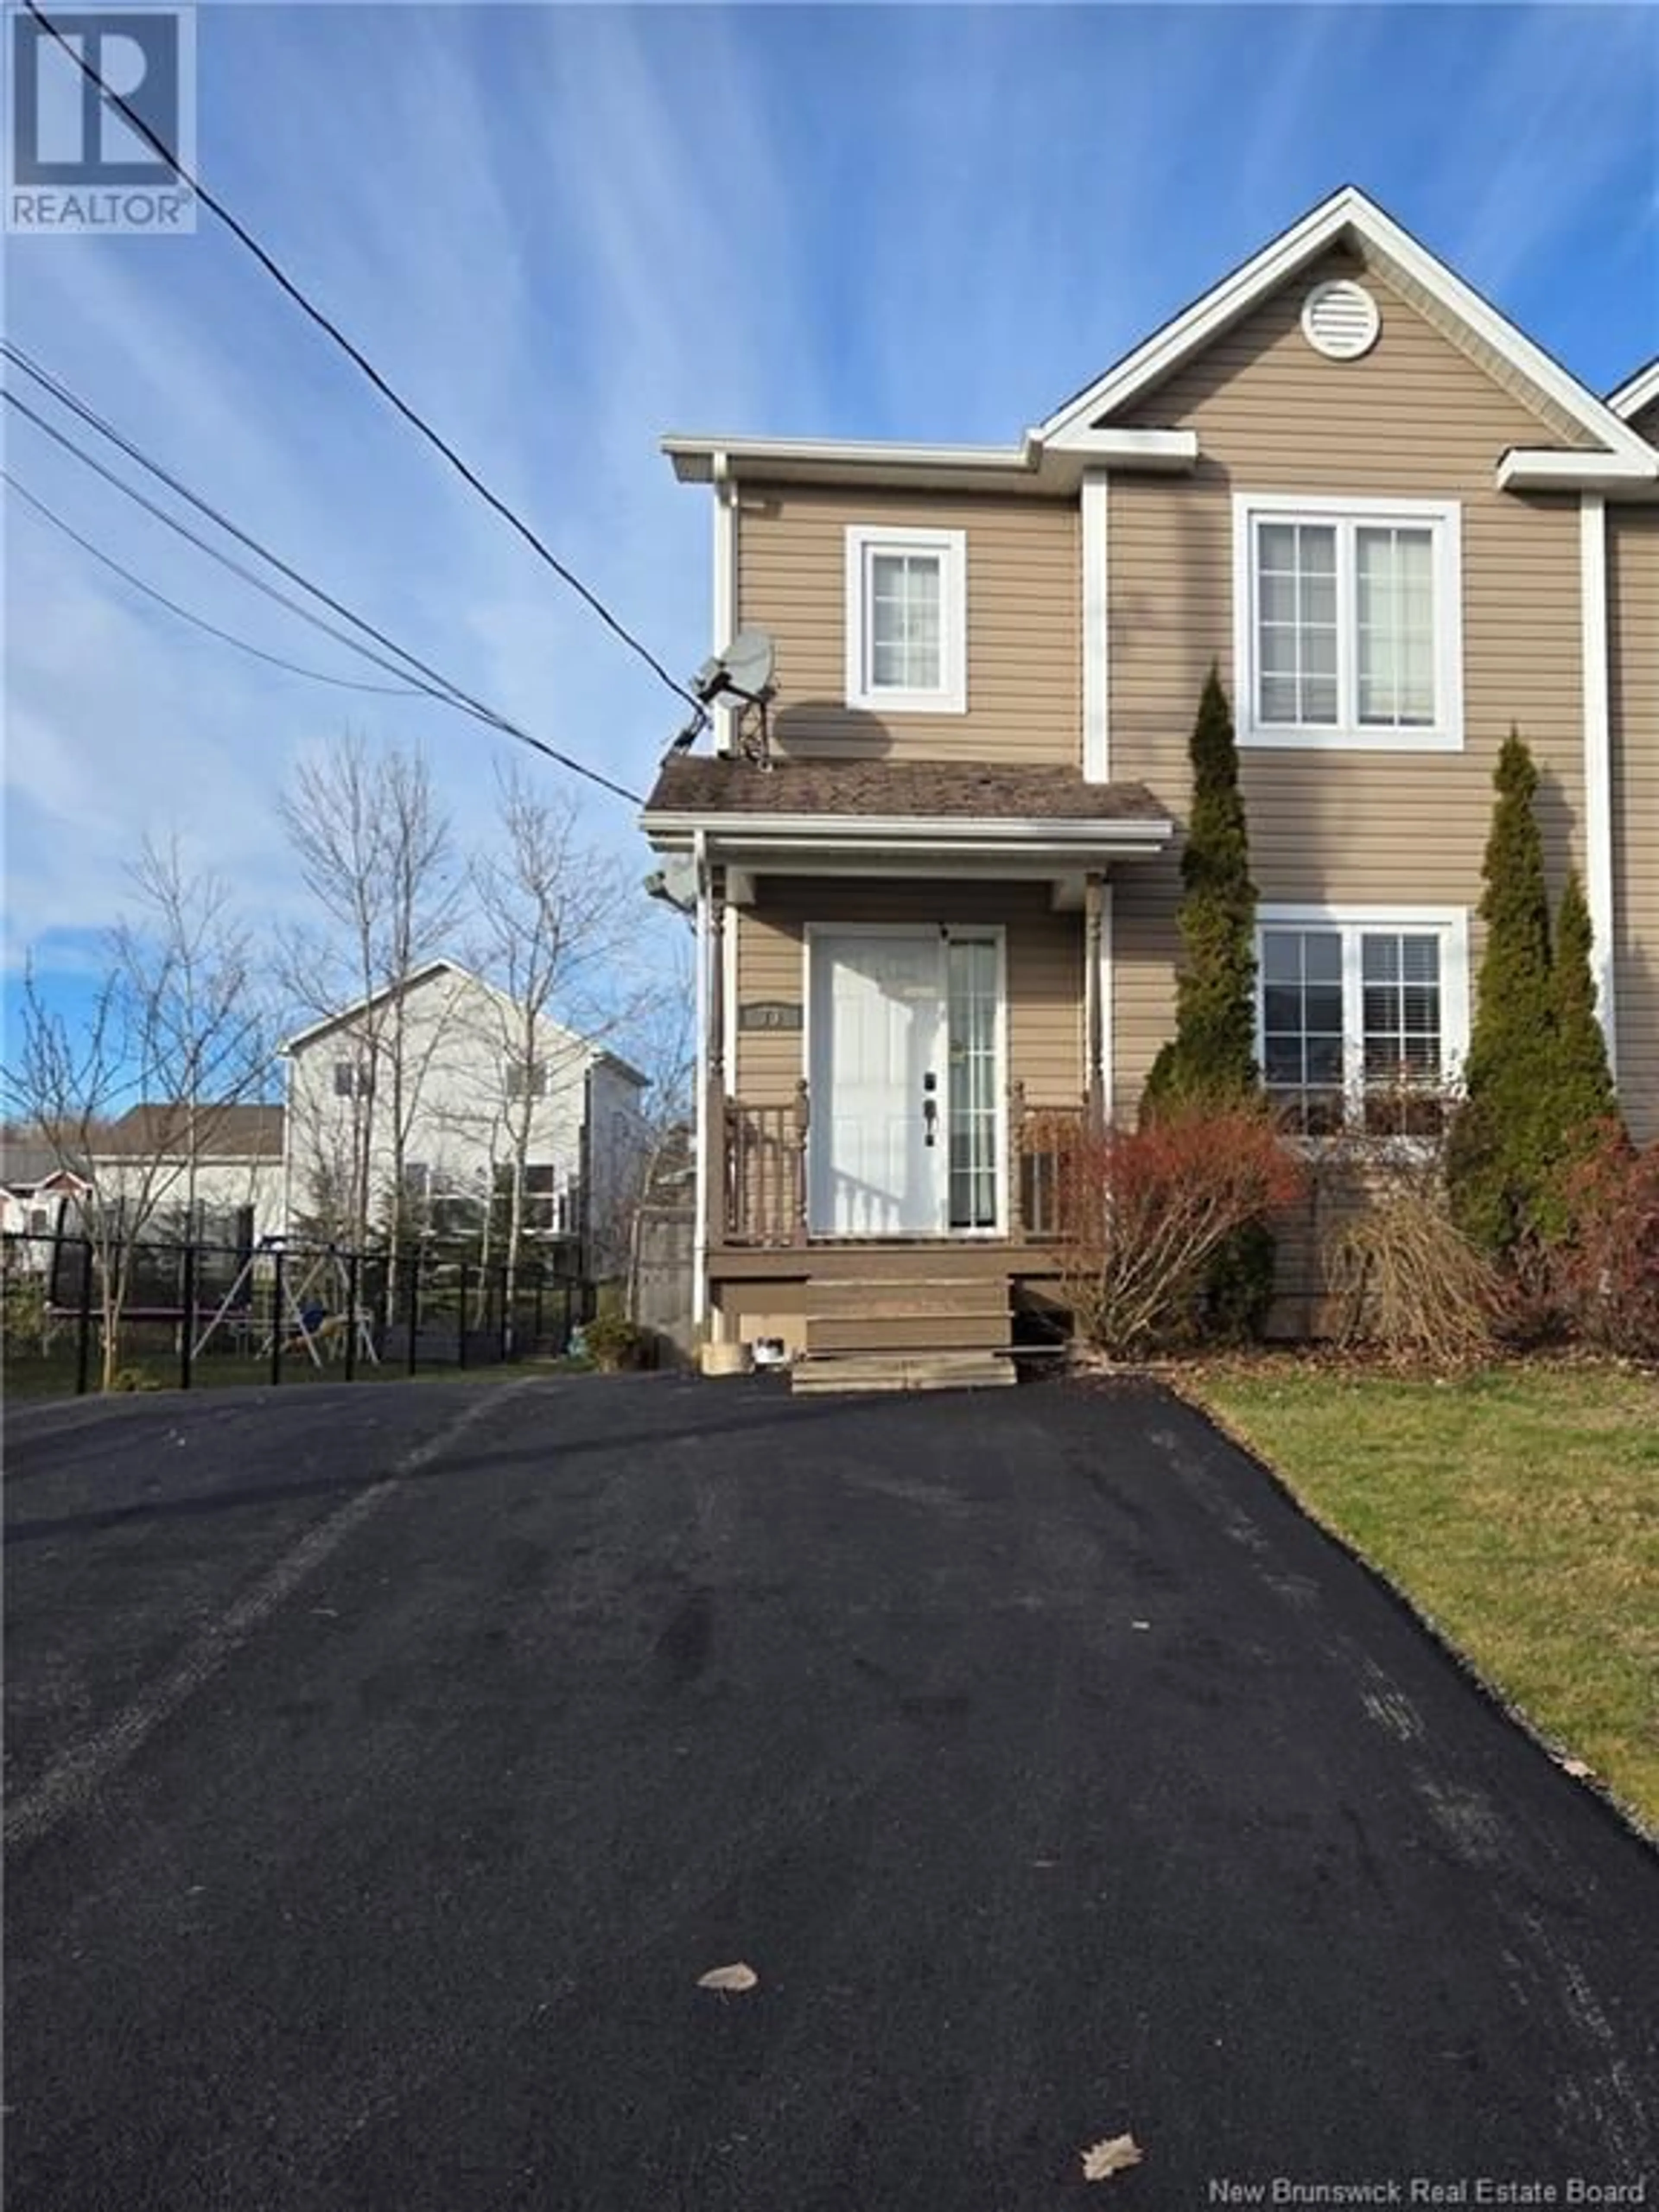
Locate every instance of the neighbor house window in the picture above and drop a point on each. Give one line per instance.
(907, 620)
(526, 1078)
(1363, 1017)
(1346, 622)
(352, 1079)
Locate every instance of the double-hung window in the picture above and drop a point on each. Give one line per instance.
(1363, 1016)
(907, 620)
(1347, 627)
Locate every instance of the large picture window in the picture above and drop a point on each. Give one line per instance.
(1347, 627)
(906, 620)
(1363, 1017)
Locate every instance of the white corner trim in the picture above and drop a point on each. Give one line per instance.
(724, 594)
(1096, 617)
(729, 992)
(1598, 758)
(1445, 518)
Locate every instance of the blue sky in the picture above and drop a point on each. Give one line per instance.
(564, 231)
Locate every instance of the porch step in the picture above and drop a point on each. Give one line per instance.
(921, 1313)
(880, 1298)
(924, 1370)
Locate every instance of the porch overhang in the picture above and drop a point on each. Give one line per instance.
(887, 818)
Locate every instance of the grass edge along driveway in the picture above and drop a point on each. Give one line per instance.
(1516, 1507)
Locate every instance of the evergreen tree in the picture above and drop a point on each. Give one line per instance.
(1505, 1138)
(1582, 1076)
(1211, 1060)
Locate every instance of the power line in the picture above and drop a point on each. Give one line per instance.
(438, 688)
(416, 421)
(87, 414)
(316, 675)
(65, 398)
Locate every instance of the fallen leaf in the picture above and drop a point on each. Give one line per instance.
(1113, 2154)
(737, 1978)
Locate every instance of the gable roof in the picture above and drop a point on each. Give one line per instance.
(228, 1133)
(415, 979)
(1084, 431)
(1347, 215)
(1636, 392)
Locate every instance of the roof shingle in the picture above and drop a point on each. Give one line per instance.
(954, 790)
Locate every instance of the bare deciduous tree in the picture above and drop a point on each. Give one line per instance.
(375, 853)
(556, 923)
(179, 1027)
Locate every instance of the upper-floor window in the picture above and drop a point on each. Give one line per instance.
(907, 620)
(1347, 627)
(353, 1078)
(526, 1078)
(1363, 1016)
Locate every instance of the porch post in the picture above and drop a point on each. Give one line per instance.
(1094, 1025)
(1016, 1158)
(716, 1058)
(803, 1120)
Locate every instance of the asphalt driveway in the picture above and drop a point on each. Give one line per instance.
(386, 1766)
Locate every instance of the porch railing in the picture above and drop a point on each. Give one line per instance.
(765, 1186)
(1044, 1141)
(762, 1192)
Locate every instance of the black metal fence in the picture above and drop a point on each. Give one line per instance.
(189, 1313)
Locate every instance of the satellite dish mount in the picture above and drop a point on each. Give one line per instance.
(741, 678)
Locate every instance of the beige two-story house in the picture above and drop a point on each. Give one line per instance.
(944, 905)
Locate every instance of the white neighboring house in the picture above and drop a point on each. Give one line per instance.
(444, 1055)
(225, 1187)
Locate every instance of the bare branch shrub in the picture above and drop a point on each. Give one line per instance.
(1144, 1213)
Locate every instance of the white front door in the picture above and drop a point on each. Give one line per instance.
(877, 1134)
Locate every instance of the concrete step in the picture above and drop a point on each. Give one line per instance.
(937, 1370)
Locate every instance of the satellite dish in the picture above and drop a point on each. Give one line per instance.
(746, 668)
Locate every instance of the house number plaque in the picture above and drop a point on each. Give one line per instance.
(770, 1014)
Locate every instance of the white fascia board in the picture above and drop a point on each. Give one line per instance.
(1349, 209)
(963, 832)
(694, 456)
(1553, 468)
(1175, 451)
(1636, 391)
(723, 588)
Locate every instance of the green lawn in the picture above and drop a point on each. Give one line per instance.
(1517, 1508)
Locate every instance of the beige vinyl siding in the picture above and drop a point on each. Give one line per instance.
(1024, 658)
(1633, 671)
(1645, 421)
(1415, 417)
(1045, 973)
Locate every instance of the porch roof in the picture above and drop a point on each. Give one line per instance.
(887, 801)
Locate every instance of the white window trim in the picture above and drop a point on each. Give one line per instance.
(951, 694)
(1450, 923)
(1445, 518)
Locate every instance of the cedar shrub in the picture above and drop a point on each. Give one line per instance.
(1505, 1139)
(1210, 1063)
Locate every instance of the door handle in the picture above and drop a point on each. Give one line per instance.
(929, 1110)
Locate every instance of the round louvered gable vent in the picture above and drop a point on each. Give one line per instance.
(1340, 320)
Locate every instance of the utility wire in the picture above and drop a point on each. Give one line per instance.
(87, 414)
(439, 687)
(65, 398)
(316, 675)
(417, 421)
